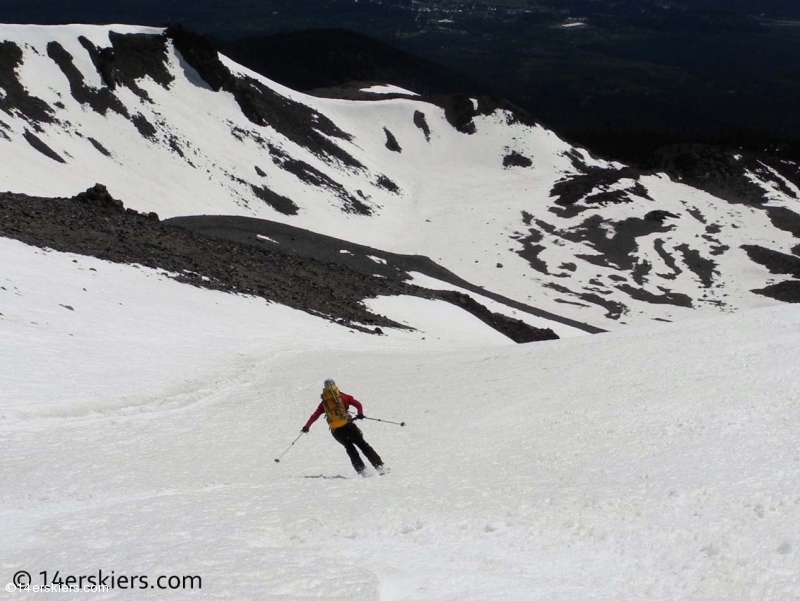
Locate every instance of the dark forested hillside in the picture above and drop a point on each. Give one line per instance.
(313, 59)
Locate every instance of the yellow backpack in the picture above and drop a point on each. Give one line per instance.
(335, 411)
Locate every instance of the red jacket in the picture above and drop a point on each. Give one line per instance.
(346, 399)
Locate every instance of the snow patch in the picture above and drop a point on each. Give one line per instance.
(388, 89)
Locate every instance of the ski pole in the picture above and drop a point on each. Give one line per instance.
(278, 460)
(385, 421)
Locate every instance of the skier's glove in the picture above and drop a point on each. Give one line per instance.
(304, 430)
(359, 416)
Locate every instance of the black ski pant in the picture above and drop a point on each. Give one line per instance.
(351, 437)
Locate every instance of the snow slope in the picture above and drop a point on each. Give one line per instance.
(500, 201)
(138, 431)
(76, 318)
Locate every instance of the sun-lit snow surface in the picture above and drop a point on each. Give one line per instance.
(138, 431)
(105, 337)
(455, 200)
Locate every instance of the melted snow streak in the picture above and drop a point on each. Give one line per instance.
(170, 126)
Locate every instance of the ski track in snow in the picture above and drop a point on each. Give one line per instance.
(657, 463)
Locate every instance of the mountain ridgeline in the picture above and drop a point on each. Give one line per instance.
(374, 189)
(623, 77)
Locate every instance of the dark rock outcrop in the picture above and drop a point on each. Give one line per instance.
(100, 100)
(422, 123)
(96, 224)
(516, 329)
(776, 262)
(391, 141)
(312, 176)
(280, 203)
(387, 184)
(98, 196)
(260, 104)
(39, 145)
(722, 172)
(660, 216)
(459, 112)
(355, 257)
(16, 97)
(787, 292)
(515, 159)
(200, 54)
(575, 188)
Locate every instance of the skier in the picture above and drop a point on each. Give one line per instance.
(335, 405)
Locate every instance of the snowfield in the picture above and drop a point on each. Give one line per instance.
(138, 428)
